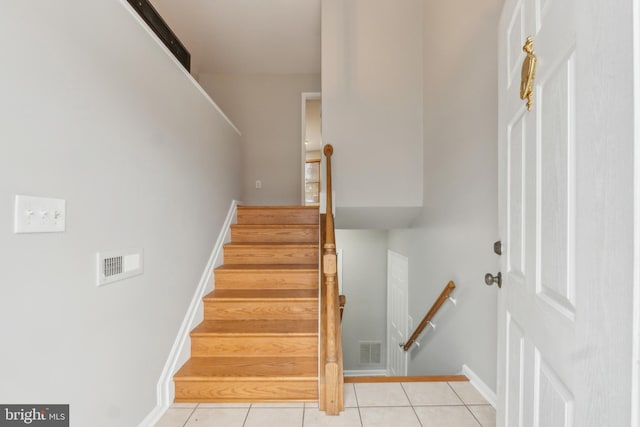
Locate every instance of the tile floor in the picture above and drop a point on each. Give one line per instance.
(428, 404)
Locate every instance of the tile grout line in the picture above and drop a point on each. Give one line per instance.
(474, 416)
(456, 393)
(411, 403)
(246, 416)
(355, 393)
(465, 404)
(395, 406)
(190, 415)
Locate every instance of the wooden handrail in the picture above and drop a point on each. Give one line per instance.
(331, 366)
(330, 231)
(432, 312)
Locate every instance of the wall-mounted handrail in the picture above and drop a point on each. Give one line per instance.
(444, 295)
(331, 366)
(155, 22)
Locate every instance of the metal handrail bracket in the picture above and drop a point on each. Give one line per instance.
(426, 321)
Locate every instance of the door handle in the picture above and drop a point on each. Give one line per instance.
(490, 279)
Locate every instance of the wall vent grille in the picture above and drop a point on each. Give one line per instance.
(112, 266)
(119, 265)
(370, 352)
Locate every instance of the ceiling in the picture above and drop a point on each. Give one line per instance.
(247, 36)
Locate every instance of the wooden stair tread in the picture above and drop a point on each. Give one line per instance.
(267, 276)
(275, 268)
(276, 207)
(276, 226)
(246, 391)
(262, 295)
(265, 233)
(268, 207)
(248, 368)
(278, 215)
(257, 327)
(271, 253)
(267, 245)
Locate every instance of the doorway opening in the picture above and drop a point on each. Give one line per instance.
(311, 148)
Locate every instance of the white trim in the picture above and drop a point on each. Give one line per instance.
(154, 416)
(635, 355)
(480, 385)
(180, 351)
(175, 60)
(366, 373)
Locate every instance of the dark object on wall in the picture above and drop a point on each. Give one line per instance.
(162, 30)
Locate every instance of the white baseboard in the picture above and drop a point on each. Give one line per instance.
(181, 351)
(366, 373)
(484, 389)
(154, 416)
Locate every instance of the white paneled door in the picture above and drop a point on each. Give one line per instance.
(537, 305)
(397, 312)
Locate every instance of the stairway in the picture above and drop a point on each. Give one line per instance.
(259, 338)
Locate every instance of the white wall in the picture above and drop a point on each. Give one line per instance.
(452, 239)
(267, 110)
(364, 283)
(96, 112)
(372, 103)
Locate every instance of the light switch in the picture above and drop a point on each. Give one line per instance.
(39, 215)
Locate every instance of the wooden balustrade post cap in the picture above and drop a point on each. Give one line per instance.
(328, 150)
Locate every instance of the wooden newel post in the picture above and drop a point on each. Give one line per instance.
(330, 264)
(333, 399)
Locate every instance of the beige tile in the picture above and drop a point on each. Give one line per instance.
(485, 414)
(445, 416)
(350, 400)
(381, 394)
(313, 417)
(218, 417)
(175, 417)
(278, 405)
(184, 405)
(468, 393)
(224, 405)
(389, 416)
(434, 393)
(281, 417)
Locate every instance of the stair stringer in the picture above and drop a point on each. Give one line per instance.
(181, 349)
